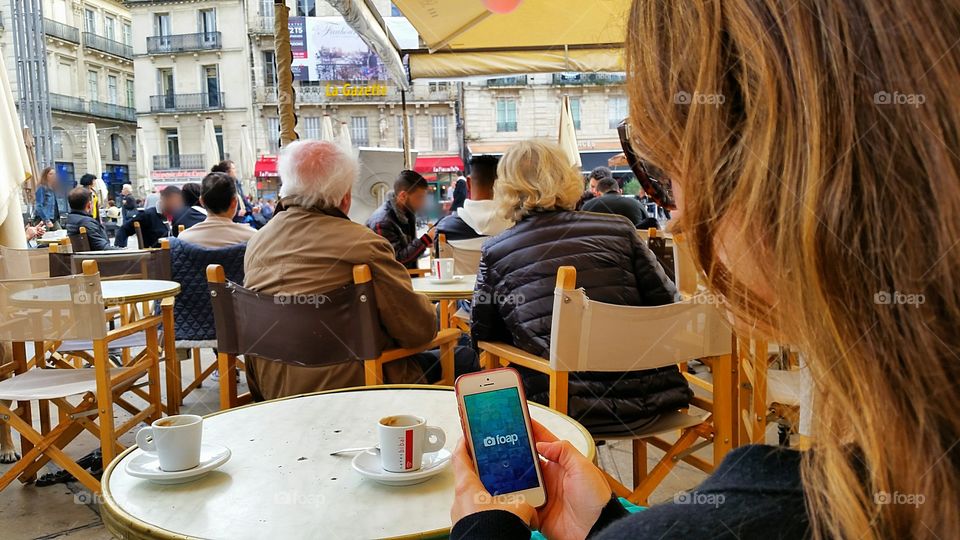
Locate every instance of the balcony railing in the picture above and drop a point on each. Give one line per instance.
(204, 41)
(186, 102)
(262, 26)
(102, 44)
(506, 126)
(60, 102)
(588, 78)
(519, 80)
(179, 162)
(61, 31)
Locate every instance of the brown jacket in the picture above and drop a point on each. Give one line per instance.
(311, 251)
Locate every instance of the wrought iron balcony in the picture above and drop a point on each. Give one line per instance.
(61, 31)
(178, 162)
(186, 102)
(204, 41)
(519, 80)
(70, 104)
(571, 79)
(109, 46)
(503, 127)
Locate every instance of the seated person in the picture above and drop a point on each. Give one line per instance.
(111, 218)
(396, 219)
(311, 248)
(597, 174)
(610, 200)
(478, 217)
(80, 200)
(191, 213)
(153, 220)
(518, 271)
(218, 195)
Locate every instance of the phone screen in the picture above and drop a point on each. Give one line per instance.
(500, 441)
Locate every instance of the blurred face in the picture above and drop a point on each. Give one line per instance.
(415, 200)
(232, 171)
(171, 203)
(593, 186)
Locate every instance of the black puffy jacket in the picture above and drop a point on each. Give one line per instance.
(513, 303)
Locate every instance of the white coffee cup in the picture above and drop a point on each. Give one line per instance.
(175, 440)
(443, 268)
(403, 440)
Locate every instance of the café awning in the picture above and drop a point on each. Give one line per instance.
(466, 39)
(265, 167)
(438, 164)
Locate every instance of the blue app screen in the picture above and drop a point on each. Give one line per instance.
(500, 441)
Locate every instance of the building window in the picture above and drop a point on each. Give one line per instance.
(439, 86)
(161, 24)
(110, 28)
(211, 77)
(312, 128)
(115, 147)
(89, 21)
(616, 111)
(269, 68)
(218, 132)
(273, 134)
(358, 128)
(112, 89)
(173, 147)
(207, 23)
(57, 140)
(266, 8)
(439, 139)
(131, 93)
(400, 131)
(575, 112)
(306, 8)
(93, 86)
(127, 34)
(506, 114)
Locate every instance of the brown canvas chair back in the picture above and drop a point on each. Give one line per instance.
(338, 326)
(23, 263)
(51, 309)
(79, 242)
(120, 264)
(594, 336)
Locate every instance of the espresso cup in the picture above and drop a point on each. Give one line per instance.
(404, 439)
(443, 268)
(175, 440)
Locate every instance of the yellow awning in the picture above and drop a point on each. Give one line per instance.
(466, 64)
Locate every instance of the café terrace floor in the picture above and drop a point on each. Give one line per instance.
(69, 510)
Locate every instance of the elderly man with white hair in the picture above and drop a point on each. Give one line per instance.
(311, 248)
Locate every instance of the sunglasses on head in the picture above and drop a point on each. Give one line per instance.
(654, 188)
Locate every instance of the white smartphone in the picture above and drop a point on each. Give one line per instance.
(496, 424)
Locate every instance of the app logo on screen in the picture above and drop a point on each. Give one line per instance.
(500, 441)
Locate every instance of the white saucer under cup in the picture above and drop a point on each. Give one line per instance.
(175, 440)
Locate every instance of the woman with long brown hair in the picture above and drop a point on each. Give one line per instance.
(813, 148)
(45, 200)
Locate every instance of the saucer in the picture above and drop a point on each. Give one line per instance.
(437, 281)
(434, 463)
(147, 465)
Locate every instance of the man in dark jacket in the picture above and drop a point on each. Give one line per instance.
(478, 217)
(191, 213)
(81, 204)
(612, 201)
(396, 219)
(153, 221)
(129, 204)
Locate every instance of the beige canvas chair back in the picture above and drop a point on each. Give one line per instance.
(594, 336)
(23, 263)
(688, 279)
(465, 254)
(52, 309)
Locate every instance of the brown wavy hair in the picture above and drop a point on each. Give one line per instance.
(816, 143)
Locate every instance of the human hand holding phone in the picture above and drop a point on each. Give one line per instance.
(470, 497)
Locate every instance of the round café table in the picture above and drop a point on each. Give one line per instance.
(282, 482)
(116, 292)
(446, 294)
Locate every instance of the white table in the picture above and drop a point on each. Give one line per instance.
(116, 292)
(282, 483)
(461, 289)
(51, 237)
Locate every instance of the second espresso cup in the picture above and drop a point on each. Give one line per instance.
(403, 440)
(175, 440)
(443, 269)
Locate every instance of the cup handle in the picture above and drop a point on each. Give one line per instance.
(145, 440)
(435, 439)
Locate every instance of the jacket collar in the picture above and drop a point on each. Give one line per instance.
(403, 217)
(81, 213)
(333, 212)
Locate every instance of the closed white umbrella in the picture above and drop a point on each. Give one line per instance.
(326, 129)
(144, 179)
(344, 138)
(14, 167)
(95, 162)
(247, 159)
(567, 139)
(209, 146)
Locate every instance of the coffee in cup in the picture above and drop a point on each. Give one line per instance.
(403, 441)
(175, 440)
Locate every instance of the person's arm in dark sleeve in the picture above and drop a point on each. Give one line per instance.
(125, 231)
(98, 239)
(655, 287)
(486, 324)
(507, 526)
(405, 253)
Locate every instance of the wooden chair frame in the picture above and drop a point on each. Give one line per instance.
(445, 340)
(718, 427)
(757, 410)
(139, 233)
(40, 447)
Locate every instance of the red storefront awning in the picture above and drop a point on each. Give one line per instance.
(438, 164)
(266, 167)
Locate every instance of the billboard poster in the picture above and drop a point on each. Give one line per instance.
(327, 49)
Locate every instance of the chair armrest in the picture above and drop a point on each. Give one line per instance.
(418, 272)
(166, 302)
(133, 328)
(517, 356)
(444, 337)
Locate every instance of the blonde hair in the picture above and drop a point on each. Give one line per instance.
(535, 175)
(822, 136)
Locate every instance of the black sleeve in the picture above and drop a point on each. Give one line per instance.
(486, 324)
(613, 511)
(498, 524)
(98, 238)
(654, 285)
(406, 254)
